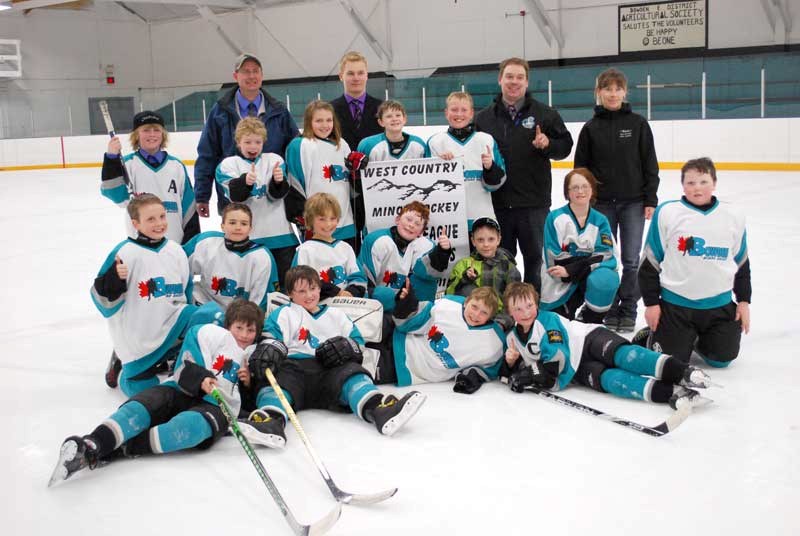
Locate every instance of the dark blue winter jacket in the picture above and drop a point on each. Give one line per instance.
(217, 140)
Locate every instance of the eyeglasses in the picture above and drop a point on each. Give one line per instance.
(580, 188)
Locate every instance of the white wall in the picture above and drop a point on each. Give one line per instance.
(724, 140)
(64, 52)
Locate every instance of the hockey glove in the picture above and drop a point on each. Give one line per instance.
(269, 354)
(356, 161)
(468, 381)
(337, 351)
(404, 307)
(533, 374)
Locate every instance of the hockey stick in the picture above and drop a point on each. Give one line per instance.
(338, 494)
(111, 133)
(321, 526)
(672, 422)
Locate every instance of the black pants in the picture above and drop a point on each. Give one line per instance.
(716, 331)
(526, 226)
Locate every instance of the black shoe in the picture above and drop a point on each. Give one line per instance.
(264, 428)
(626, 324)
(76, 453)
(391, 414)
(112, 371)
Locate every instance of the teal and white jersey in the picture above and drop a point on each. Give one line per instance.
(318, 166)
(226, 275)
(565, 240)
(169, 181)
(477, 193)
(335, 261)
(214, 348)
(697, 253)
(387, 268)
(270, 226)
(436, 343)
(154, 309)
(302, 332)
(378, 149)
(553, 338)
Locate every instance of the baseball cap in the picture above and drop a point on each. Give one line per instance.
(243, 58)
(485, 222)
(147, 118)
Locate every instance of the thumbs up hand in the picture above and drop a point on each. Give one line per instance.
(277, 173)
(512, 354)
(541, 141)
(251, 176)
(486, 158)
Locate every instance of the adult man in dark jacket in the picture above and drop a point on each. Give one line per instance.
(529, 134)
(357, 112)
(217, 140)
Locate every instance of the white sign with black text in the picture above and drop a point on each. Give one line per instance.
(663, 26)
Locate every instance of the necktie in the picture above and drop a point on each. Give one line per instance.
(252, 111)
(356, 109)
(512, 111)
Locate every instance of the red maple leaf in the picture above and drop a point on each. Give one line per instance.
(387, 277)
(143, 292)
(564, 247)
(302, 335)
(215, 283)
(218, 362)
(682, 244)
(325, 275)
(327, 172)
(433, 331)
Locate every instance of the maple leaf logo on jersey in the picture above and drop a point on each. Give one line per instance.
(327, 172)
(565, 247)
(685, 244)
(439, 343)
(147, 288)
(334, 275)
(227, 367)
(304, 335)
(218, 283)
(393, 279)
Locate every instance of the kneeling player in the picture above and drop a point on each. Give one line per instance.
(556, 351)
(436, 341)
(694, 260)
(178, 414)
(323, 369)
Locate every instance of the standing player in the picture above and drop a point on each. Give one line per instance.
(695, 259)
(484, 169)
(393, 143)
(149, 169)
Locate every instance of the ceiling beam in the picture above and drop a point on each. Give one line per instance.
(361, 24)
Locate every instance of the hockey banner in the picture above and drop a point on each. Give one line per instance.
(439, 184)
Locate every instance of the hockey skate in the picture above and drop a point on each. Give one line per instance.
(112, 370)
(642, 337)
(76, 453)
(682, 397)
(626, 324)
(264, 428)
(391, 414)
(696, 379)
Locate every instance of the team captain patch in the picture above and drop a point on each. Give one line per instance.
(554, 336)
(606, 240)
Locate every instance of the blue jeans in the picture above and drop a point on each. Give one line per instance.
(526, 225)
(627, 225)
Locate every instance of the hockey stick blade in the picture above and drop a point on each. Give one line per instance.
(338, 494)
(672, 422)
(321, 526)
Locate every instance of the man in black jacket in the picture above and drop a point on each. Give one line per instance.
(358, 116)
(528, 134)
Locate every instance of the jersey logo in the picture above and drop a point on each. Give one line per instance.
(227, 368)
(606, 240)
(393, 279)
(334, 275)
(696, 247)
(555, 337)
(438, 342)
(334, 172)
(305, 336)
(157, 287)
(258, 191)
(224, 286)
(529, 122)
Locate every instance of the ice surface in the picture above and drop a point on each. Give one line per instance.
(491, 463)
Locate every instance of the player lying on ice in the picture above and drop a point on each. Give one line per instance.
(437, 341)
(179, 414)
(555, 351)
(323, 367)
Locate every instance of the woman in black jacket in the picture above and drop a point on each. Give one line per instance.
(617, 146)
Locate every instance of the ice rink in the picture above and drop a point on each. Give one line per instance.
(491, 463)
